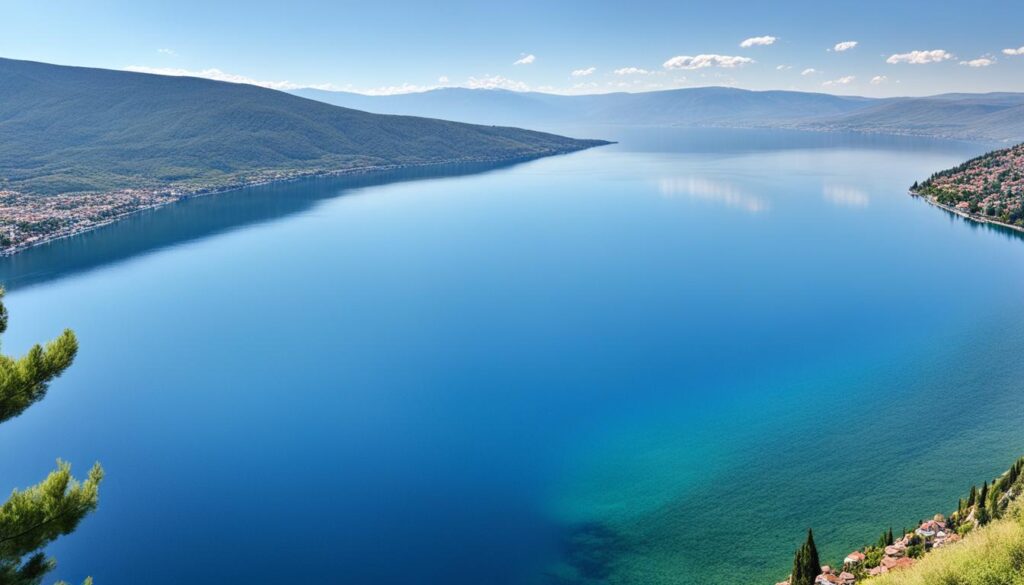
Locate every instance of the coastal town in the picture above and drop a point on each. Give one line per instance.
(889, 554)
(28, 220)
(987, 189)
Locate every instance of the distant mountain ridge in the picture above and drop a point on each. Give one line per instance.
(74, 129)
(669, 107)
(997, 118)
(989, 117)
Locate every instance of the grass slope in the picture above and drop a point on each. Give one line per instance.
(990, 555)
(69, 129)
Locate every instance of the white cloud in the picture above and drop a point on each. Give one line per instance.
(496, 82)
(1017, 51)
(166, 52)
(584, 72)
(783, 67)
(702, 61)
(844, 46)
(758, 42)
(984, 61)
(632, 71)
(808, 71)
(395, 89)
(920, 57)
(442, 80)
(878, 79)
(215, 74)
(525, 59)
(845, 80)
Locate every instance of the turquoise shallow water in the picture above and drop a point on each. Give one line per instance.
(657, 362)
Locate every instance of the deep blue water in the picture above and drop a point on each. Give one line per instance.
(655, 362)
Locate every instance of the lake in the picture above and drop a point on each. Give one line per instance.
(655, 362)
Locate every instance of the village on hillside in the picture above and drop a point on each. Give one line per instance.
(28, 220)
(989, 188)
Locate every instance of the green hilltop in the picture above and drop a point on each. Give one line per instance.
(73, 129)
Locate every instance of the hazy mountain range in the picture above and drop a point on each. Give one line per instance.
(994, 116)
(69, 129)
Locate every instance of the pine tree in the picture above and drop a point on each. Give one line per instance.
(34, 517)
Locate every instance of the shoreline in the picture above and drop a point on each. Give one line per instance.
(174, 195)
(979, 219)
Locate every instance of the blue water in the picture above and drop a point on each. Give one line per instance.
(655, 362)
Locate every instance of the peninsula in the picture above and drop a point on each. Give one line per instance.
(82, 147)
(986, 189)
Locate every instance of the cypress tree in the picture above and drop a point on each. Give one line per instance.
(813, 562)
(982, 515)
(34, 517)
(972, 497)
(889, 539)
(806, 564)
(993, 502)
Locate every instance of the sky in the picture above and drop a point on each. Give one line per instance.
(867, 47)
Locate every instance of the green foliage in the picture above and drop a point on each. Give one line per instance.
(873, 556)
(982, 515)
(36, 516)
(916, 551)
(806, 564)
(72, 129)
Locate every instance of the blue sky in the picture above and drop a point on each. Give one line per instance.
(560, 46)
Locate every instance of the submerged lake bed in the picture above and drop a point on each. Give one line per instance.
(655, 362)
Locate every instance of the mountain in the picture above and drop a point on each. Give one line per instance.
(997, 117)
(690, 106)
(988, 117)
(71, 129)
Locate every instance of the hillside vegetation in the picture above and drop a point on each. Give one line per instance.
(73, 129)
(989, 555)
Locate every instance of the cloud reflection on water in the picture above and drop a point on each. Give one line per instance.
(845, 196)
(703, 189)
